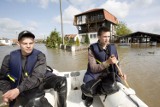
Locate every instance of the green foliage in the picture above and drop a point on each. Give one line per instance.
(122, 29)
(54, 40)
(77, 41)
(86, 39)
(66, 40)
(69, 41)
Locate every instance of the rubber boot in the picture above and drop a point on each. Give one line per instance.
(88, 101)
(62, 92)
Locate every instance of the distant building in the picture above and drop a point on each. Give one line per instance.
(14, 41)
(5, 41)
(89, 22)
(140, 37)
(71, 36)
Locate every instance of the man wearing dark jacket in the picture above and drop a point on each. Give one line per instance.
(102, 57)
(23, 71)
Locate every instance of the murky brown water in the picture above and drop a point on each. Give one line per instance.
(140, 63)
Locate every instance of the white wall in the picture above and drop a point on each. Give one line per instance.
(6, 42)
(77, 36)
(92, 37)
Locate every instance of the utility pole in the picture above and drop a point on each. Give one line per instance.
(61, 22)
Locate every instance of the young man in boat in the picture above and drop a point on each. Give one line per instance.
(102, 57)
(24, 75)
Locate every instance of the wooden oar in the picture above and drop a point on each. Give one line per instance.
(120, 73)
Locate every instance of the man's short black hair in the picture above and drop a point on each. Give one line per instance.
(25, 33)
(102, 29)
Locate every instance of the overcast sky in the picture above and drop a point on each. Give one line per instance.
(43, 16)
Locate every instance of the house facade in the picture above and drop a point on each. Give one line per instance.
(89, 22)
(5, 41)
(72, 36)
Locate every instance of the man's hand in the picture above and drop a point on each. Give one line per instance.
(10, 95)
(123, 76)
(5, 100)
(112, 60)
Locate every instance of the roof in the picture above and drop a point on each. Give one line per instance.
(70, 35)
(143, 33)
(89, 11)
(108, 16)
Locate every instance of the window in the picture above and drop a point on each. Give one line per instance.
(90, 35)
(79, 19)
(83, 19)
(93, 36)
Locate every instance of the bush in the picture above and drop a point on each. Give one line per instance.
(86, 39)
(77, 41)
(54, 40)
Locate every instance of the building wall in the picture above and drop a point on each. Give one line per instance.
(82, 37)
(92, 37)
(90, 23)
(6, 42)
(77, 36)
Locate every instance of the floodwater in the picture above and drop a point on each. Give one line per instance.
(141, 64)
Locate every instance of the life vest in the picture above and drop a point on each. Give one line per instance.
(100, 56)
(15, 65)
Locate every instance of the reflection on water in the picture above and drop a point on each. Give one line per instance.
(140, 63)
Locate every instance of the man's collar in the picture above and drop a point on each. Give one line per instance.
(101, 47)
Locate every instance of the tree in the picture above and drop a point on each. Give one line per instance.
(122, 29)
(86, 39)
(54, 40)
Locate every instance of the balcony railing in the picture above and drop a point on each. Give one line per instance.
(90, 19)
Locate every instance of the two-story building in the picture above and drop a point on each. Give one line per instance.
(89, 22)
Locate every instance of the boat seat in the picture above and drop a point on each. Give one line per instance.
(75, 80)
(74, 100)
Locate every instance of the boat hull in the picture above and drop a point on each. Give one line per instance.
(125, 97)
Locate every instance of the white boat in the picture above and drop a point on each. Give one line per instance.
(125, 97)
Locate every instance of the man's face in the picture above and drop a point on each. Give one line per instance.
(26, 45)
(104, 38)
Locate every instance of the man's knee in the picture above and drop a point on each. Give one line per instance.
(62, 84)
(91, 88)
